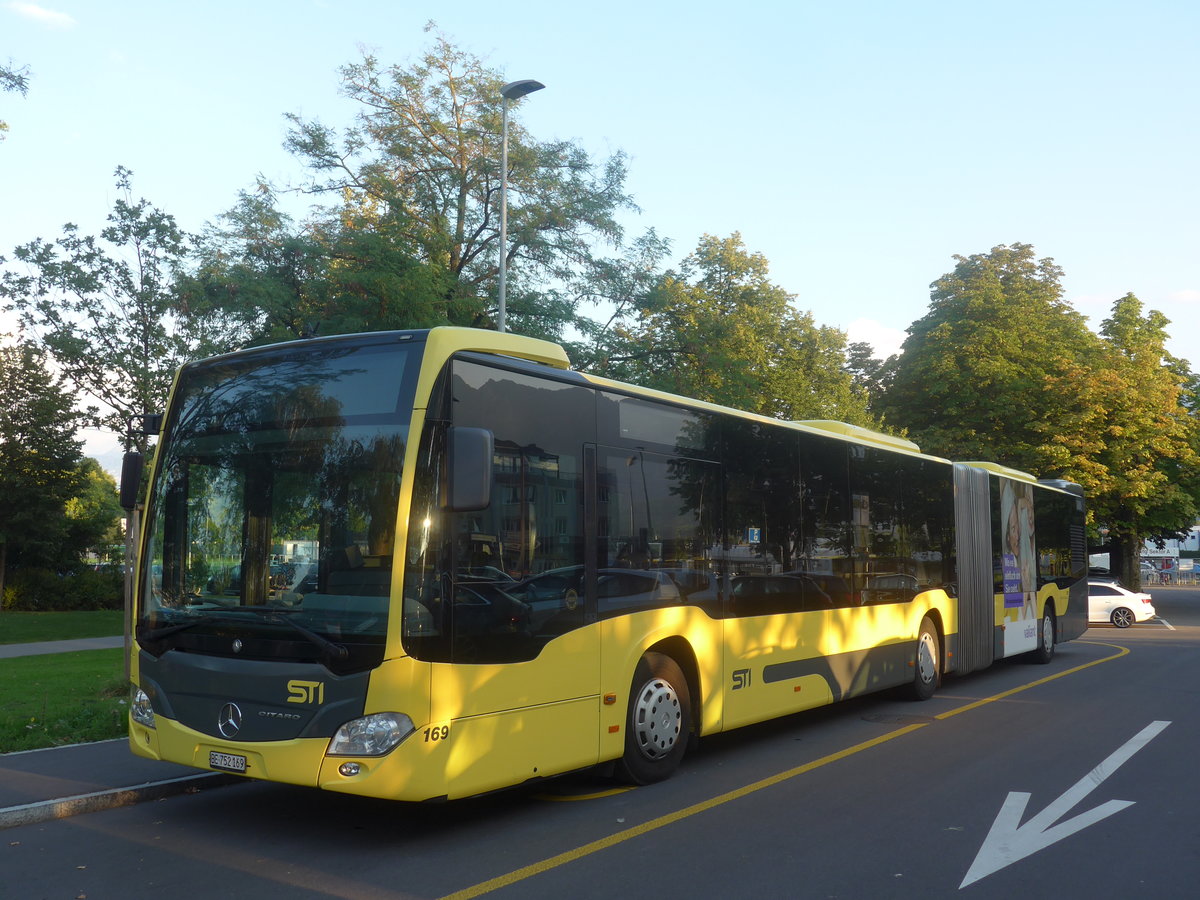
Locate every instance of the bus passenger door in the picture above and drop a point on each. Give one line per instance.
(523, 672)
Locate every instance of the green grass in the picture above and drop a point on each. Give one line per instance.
(27, 627)
(62, 698)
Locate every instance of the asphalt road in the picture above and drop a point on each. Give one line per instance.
(1075, 779)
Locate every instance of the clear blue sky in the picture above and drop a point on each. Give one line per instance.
(858, 146)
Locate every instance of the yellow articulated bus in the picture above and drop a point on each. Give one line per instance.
(428, 564)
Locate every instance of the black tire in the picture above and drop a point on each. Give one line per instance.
(658, 721)
(927, 663)
(1121, 617)
(1045, 646)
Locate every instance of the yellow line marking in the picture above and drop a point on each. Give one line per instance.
(654, 824)
(598, 795)
(1033, 684)
(553, 862)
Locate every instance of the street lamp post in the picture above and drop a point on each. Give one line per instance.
(514, 90)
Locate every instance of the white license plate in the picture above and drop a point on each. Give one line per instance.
(227, 761)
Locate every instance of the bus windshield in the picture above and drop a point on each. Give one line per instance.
(272, 518)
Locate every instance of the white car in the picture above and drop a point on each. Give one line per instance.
(1109, 602)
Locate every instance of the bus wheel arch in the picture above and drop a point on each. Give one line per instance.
(680, 650)
(1046, 635)
(928, 663)
(658, 719)
(934, 617)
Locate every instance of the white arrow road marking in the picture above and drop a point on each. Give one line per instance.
(1009, 840)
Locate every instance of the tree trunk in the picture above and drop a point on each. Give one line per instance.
(1125, 558)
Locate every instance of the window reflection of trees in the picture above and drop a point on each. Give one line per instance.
(763, 482)
(660, 511)
(800, 521)
(260, 456)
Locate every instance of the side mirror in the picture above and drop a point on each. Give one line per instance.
(469, 453)
(149, 424)
(131, 479)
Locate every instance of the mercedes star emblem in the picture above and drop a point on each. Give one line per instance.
(229, 722)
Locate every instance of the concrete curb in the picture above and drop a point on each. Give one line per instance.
(47, 810)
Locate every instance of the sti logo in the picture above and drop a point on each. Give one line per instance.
(741, 679)
(306, 692)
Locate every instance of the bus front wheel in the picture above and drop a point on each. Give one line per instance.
(928, 663)
(658, 721)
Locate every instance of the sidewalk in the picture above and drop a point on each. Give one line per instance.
(40, 785)
(8, 651)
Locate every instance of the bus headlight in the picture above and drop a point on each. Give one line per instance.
(372, 735)
(139, 707)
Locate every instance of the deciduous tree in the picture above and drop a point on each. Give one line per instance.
(1002, 368)
(419, 168)
(92, 515)
(105, 310)
(272, 279)
(1125, 433)
(865, 369)
(720, 330)
(975, 377)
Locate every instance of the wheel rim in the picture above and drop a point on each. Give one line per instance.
(657, 718)
(1047, 632)
(1122, 618)
(927, 658)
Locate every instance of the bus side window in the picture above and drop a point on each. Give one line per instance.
(825, 551)
(509, 557)
(656, 531)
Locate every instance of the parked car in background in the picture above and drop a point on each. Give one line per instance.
(698, 587)
(765, 595)
(555, 597)
(1109, 602)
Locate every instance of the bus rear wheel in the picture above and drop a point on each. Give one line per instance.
(928, 663)
(1045, 646)
(658, 722)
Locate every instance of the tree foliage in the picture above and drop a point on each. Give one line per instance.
(1002, 368)
(720, 330)
(39, 457)
(105, 309)
(973, 378)
(269, 279)
(1127, 435)
(12, 79)
(93, 515)
(866, 372)
(414, 221)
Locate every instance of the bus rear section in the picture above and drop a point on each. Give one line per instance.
(1021, 564)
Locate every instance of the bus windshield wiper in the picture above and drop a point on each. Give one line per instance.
(330, 650)
(157, 634)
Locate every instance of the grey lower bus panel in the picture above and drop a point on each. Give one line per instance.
(973, 527)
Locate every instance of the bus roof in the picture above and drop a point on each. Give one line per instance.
(863, 435)
(1015, 474)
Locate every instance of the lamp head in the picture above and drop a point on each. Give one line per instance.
(514, 90)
